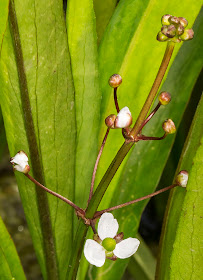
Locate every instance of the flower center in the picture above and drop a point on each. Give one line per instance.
(109, 244)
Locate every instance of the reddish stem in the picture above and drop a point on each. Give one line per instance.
(99, 213)
(116, 100)
(150, 116)
(96, 165)
(55, 194)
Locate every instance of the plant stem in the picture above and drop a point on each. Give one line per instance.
(154, 89)
(150, 116)
(55, 194)
(99, 213)
(42, 201)
(96, 165)
(108, 176)
(143, 137)
(76, 251)
(116, 100)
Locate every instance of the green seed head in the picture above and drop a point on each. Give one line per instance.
(109, 244)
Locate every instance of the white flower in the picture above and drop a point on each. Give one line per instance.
(182, 178)
(124, 118)
(20, 162)
(96, 253)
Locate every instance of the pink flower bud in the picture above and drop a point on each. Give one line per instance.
(182, 178)
(169, 126)
(115, 80)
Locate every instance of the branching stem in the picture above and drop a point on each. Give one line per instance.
(55, 194)
(99, 213)
(96, 165)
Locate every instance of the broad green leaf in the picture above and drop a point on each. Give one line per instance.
(10, 265)
(82, 41)
(47, 66)
(103, 12)
(143, 264)
(143, 169)
(182, 232)
(3, 19)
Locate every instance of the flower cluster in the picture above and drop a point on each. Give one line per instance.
(109, 244)
(174, 29)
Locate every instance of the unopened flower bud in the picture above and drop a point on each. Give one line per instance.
(182, 178)
(169, 126)
(109, 121)
(169, 30)
(115, 80)
(174, 20)
(165, 20)
(123, 119)
(161, 37)
(119, 237)
(183, 21)
(180, 30)
(164, 98)
(20, 162)
(187, 35)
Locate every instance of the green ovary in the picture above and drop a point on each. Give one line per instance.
(109, 244)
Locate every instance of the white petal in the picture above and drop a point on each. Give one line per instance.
(124, 118)
(94, 253)
(20, 158)
(107, 226)
(126, 248)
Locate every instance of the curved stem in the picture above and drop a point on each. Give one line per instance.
(55, 194)
(116, 100)
(99, 213)
(150, 116)
(96, 165)
(154, 89)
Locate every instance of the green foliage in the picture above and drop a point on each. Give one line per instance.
(67, 80)
(10, 266)
(182, 233)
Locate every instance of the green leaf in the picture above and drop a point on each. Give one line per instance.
(143, 264)
(3, 19)
(10, 265)
(141, 173)
(103, 12)
(180, 249)
(82, 41)
(47, 67)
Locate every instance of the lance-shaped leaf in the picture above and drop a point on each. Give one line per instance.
(182, 232)
(3, 20)
(10, 265)
(45, 66)
(82, 39)
(103, 12)
(143, 169)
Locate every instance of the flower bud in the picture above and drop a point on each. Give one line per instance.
(169, 30)
(115, 80)
(174, 20)
(164, 98)
(182, 178)
(183, 21)
(169, 126)
(187, 35)
(123, 119)
(164, 20)
(161, 37)
(109, 121)
(180, 30)
(20, 162)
